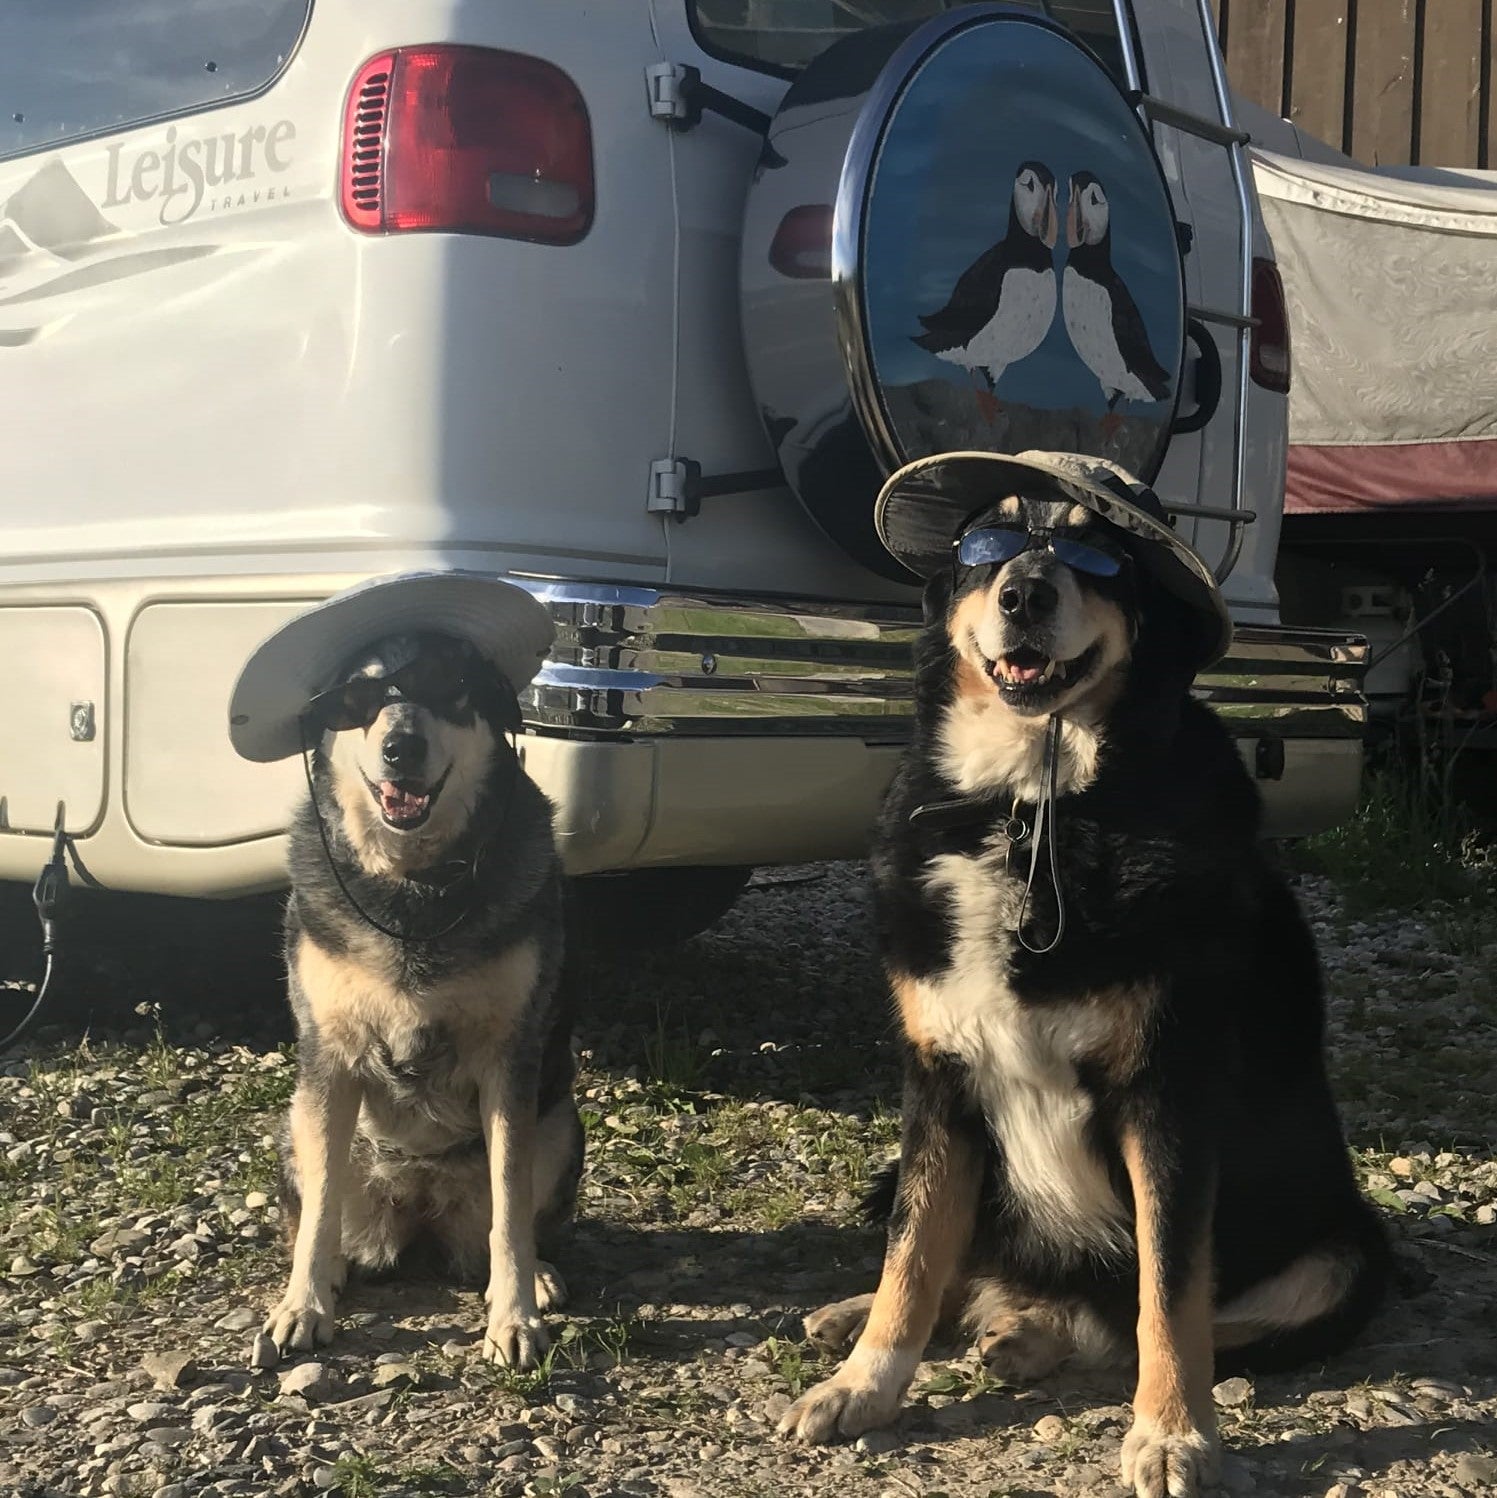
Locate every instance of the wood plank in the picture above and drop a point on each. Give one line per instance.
(1317, 75)
(1450, 85)
(1382, 121)
(1255, 52)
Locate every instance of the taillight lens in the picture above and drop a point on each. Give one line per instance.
(467, 140)
(1269, 361)
(802, 244)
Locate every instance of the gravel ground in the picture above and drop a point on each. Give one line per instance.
(737, 1090)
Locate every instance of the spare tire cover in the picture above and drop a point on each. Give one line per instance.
(958, 237)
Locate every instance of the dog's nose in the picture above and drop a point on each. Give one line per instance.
(1030, 599)
(403, 751)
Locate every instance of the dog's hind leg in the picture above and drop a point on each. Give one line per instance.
(320, 1126)
(836, 1327)
(1021, 1339)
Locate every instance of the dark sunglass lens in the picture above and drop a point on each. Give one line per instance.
(433, 681)
(1083, 558)
(985, 548)
(353, 705)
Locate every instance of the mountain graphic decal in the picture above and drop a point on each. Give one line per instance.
(50, 216)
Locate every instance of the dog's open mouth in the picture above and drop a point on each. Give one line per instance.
(1027, 676)
(404, 804)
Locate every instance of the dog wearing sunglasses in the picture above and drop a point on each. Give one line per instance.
(433, 1105)
(1119, 1143)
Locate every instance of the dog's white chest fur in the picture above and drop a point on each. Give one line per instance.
(1022, 1059)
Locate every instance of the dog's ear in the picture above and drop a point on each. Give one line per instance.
(1168, 642)
(935, 598)
(506, 706)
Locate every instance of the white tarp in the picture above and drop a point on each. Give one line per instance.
(1391, 283)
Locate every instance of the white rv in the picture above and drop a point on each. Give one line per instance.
(297, 292)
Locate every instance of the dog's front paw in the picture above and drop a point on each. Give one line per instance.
(842, 1407)
(1162, 1464)
(515, 1341)
(303, 1319)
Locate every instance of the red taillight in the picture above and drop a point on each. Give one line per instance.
(802, 245)
(470, 141)
(1269, 362)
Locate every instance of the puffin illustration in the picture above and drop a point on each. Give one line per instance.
(1004, 302)
(1102, 318)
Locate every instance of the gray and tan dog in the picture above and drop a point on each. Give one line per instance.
(433, 1103)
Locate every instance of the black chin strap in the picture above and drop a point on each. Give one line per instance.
(469, 870)
(1045, 811)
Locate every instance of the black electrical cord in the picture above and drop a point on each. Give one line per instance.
(48, 895)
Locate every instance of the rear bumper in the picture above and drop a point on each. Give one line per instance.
(669, 728)
(690, 670)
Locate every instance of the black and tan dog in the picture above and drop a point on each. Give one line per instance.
(1118, 1137)
(433, 1103)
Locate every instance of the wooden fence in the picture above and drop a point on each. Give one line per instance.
(1391, 82)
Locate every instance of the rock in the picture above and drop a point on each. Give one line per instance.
(570, 1404)
(38, 1415)
(256, 1199)
(90, 1331)
(169, 1435)
(324, 1478)
(169, 1370)
(171, 1490)
(1049, 1428)
(149, 1412)
(263, 1352)
(742, 1339)
(21, 1266)
(395, 1376)
(1401, 1165)
(1231, 1392)
(877, 1443)
(549, 1447)
(1472, 1470)
(1486, 1214)
(118, 1243)
(775, 1406)
(240, 1320)
(310, 1380)
(1343, 1490)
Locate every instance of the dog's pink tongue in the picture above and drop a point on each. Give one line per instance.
(396, 802)
(1021, 673)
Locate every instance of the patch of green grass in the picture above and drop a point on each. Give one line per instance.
(1406, 847)
(797, 1363)
(357, 1476)
(562, 1482)
(963, 1380)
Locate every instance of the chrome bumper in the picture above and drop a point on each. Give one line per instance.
(641, 663)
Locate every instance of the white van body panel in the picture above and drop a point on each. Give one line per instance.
(220, 403)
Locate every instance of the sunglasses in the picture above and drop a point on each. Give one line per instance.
(988, 546)
(430, 681)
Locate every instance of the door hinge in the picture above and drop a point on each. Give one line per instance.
(678, 98)
(673, 489)
(678, 488)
